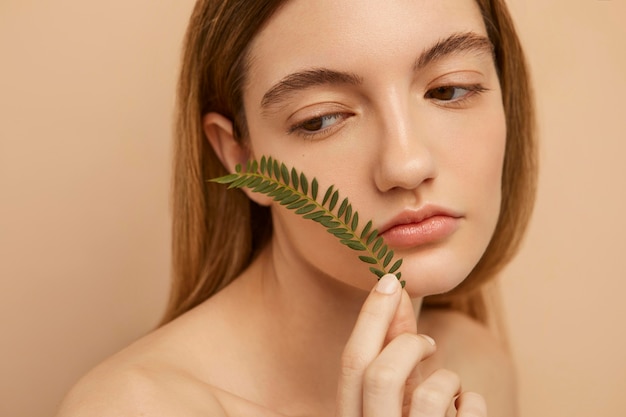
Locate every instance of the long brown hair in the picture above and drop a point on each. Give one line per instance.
(216, 232)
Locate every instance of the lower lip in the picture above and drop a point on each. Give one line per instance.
(430, 230)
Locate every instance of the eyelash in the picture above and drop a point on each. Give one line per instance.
(298, 128)
(472, 90)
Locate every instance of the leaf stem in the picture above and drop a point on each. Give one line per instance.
(291, 189)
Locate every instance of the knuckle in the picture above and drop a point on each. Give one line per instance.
(353, 364)
(370, 313)
(430, 398)
(437, 391)
(381, 378)
(447, 378)
(415, 343)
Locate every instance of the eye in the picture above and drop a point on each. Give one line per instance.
(449, 93)
(319, 123)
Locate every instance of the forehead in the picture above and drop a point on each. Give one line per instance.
(354, 35)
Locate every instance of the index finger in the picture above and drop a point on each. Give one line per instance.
(366, 341)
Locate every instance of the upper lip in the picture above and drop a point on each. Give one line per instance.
(414, 216)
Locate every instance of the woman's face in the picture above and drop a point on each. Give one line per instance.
(396, 103)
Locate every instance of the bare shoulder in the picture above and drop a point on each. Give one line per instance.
(124, 386)
(155, 376)
(482, 361)
(181, 369)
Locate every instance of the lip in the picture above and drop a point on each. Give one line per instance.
(412, 228)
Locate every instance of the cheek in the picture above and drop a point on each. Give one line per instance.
(477, 156)
(305, 246)
(482, 175)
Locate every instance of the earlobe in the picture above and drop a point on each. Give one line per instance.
(220, 134)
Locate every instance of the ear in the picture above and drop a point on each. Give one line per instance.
(219, 132)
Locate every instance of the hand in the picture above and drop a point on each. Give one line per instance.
(379, 375)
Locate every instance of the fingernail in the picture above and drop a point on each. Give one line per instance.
(429, 339)
(388, 284)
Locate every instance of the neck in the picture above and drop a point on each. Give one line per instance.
(304, 319)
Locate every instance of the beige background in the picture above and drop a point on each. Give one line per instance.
(86, 95)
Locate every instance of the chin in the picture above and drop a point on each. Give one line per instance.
(424, 279)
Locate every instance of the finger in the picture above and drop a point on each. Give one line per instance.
(385, 378)
(470, 404)
(404, 320)
(365, 343)
(433, 397)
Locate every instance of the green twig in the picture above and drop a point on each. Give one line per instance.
(294, 191)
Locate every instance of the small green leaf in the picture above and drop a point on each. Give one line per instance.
(226, 179)
(297, 204)
(263, 185)
(284, 172)
(306, 209)
(323, 218)
(353, 244)
(240, 182)
(255, 181)
(342, 207)
(263, 163)
(378, 244)
(270, 166)
(329, 222)
(340, 233)
(395, 266)
(285, 194)
(345, 236)
(314, 187)
(365, 231)
(276, 170)
(238, 168)
(294, 178)
(271, 186)
(355, 221)
(377, 272)
(348, 215)
(327, 195)
(315, 214)
(333, 200)
(382, 252)
(290, 199)
(388, 258)
(372, 236)
(277, 191)
(368, 259)
(254, 167)
(304, 184)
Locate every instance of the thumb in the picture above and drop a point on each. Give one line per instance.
(404, 321)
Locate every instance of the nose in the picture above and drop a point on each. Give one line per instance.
(405, 159)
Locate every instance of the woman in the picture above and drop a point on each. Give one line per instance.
(419, 112)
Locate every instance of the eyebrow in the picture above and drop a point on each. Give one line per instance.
(453, 44)
(306, 79)
(302, 80)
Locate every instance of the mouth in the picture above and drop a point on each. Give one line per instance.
(413, 228)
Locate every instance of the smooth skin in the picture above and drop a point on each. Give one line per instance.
(379, 378)
(306, 330)
(181, 370)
